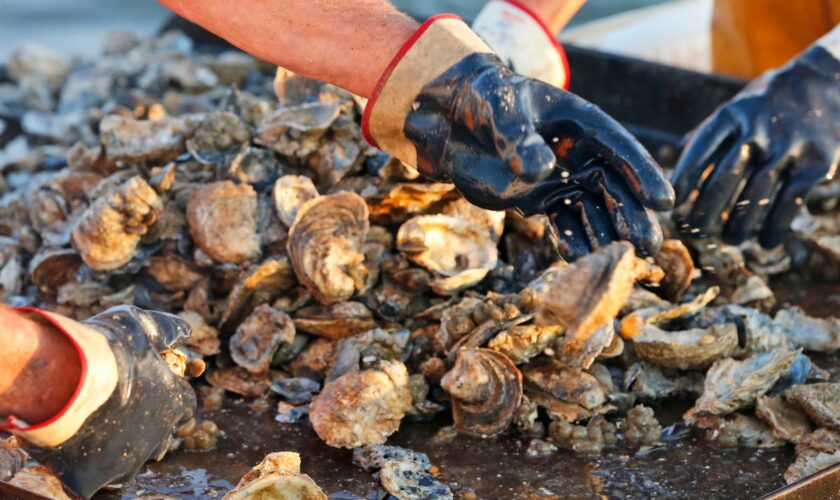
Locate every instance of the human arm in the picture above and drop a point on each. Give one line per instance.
(750, 166)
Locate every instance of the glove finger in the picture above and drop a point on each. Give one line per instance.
(569, 232)
(594, 218)
(719, 192)
(788, 204)
(754, 203)
(703, 150)
(163, 330)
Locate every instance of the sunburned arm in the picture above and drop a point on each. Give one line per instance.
(40, 370)
(348, 43)
(554, 13)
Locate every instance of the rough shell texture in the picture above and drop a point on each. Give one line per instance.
(817, 451)
(650, 383)
(237, 380)
(218, 137)
(696, 348)
(261, 284)
(290, 193)
(174, 273)
(587, 294)
(41, 481)
(786, 420)
(409, 481)
(741, 430)
(675, 260)
(521, 343)
(222, 220)
(821, 401)
(276, 477)
(486, 390)
(335, 321)
(403, 201)
(732, 384)
(326, 246)
(51, 268)
(811, 334)
(137, 140)
(258, 338)
(375, 456)
(450, 246)
(568, 384)
(111, 228)
(361, 408)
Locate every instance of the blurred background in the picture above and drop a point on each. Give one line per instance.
(77, 26)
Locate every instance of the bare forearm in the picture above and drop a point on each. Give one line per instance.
(348, 43)
(554, 13)
(40, 370)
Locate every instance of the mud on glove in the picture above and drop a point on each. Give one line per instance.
(450, 106)
(126, 405)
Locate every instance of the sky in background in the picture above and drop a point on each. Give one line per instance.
(77, 26)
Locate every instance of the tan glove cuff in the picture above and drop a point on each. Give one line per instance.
(440, 43)
(97, 381)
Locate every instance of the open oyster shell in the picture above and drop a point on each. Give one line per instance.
(276, 477)
(259, 337)
(326, 246)
(696, 348)
(290, 193)
(486, 389)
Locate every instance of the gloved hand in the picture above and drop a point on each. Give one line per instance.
(749, 167)
(522, 41)
(127, 403)
(449, 106)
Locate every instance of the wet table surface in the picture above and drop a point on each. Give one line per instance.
(493, 469)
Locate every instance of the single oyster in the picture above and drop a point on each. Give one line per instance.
(218, 138)
(754, 291)
(451, 247)
(811, 334)
(126, 139)
(486, 390)
(641, 429)
(261, 284)
(315, 361)
(586, 295)
(290, 193)
(361, 408)
(523, 342)
(817, 451)
(634, 323)
(276, 477)
(408, 481)
(237, 380)
(740, 430)
(675, 260)
(568, 384)
(296, 390)
(33, 60)
(259, 337)
(732, 384)
(204, 338)
(110, 229)
(405, 200)
(785, 419)
(590, 439)
(696, 348)
(41, 481)
(821, 401)
(650, 383)
(222, 221)
(492, 220)
(368, 349)
(326, 246)
(50, 267)
(174, 273)
(335, 321)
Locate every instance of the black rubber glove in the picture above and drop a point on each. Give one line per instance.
(146, 405)
(749, 167)
(507, 141)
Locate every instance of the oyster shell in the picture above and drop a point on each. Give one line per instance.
(817, 451)
(41, 481)
(174, 273)
(492, 220)
(586, 295)
(290, 193)
(821, 401)
(260, 284)
(259, 337)
(408, 481)
(33, 60)
(785, 419)
(109, 231)
(731, 385)
(375, 456)
(675, 260)
(523, 342)
(237, 380)
(741, 430)
(486, 389)
(405, 200)
(218, 138)
(696, 348)
(326, 246)
(222, 221)
(361, 408)
(335, 321)
(811, 334)
(51, 268)
(650, 383)
(277, 476)
(204, 338)
(449, 246)
(568, 384)
(126, 139)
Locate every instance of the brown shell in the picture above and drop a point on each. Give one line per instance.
(262, 283)
(237, 380)
(132, 140)
(821, 401)
(696, 348)
(326, 245)
(218, 137)
(222, 221)
(258, 338)
(675, 260)
(361, 408)
(204, 338)
(174, 273)
(39, 480)
(110, 229)
(523, 342)
(786, 420)
(335, 321)
(587, 294)
(568, 384)
(290, 193)
(51, 268)
(486, 390)
(406, 200)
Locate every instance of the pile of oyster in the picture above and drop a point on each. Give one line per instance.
(327, 279)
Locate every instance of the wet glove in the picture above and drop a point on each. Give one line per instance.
(522, 41)
(749, 167)
(127, 403)
(448, 105)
